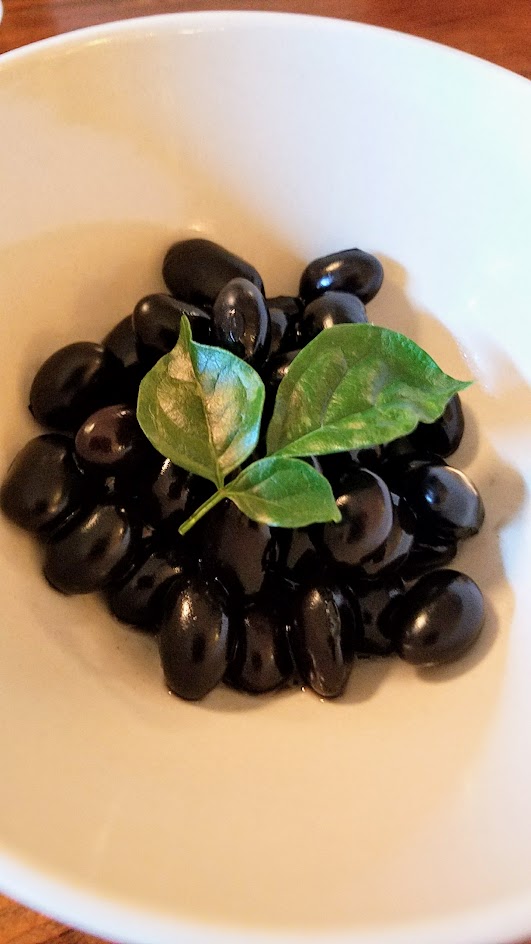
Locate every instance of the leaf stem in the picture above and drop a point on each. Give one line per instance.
(202, 510)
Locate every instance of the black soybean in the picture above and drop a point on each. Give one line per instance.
(157, 321)
(278, 322)
(112, 442)
(43, 487)
(376, 602)
(324, 630)
(438, 619)
(328, 310)
(169, 496)
(195, 270)
(290, 305)
(274, 372)
(74, 382)
(297, 553)
(285, 313)
(366, 519)
(121, 342)
(278, 367)
(425, 556)
(241, 551)
(240, 321)
(399, 459)
(139, 600)
(445, 434)
(339, 466)
(196, 637)
(350, 270)
(262, 661)
(445, 501)
(393, 553)
(96, 550)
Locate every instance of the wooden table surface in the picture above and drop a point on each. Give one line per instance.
(496, 30)
(499, 30)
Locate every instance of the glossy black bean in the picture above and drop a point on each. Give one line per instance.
(119, 489)
(262, 660)
(392, 555)
(139, 601)
(196, 270)
(425, 556)
(96, 550)
(43, 487)
(273, 373)
(157, 322)
(278, 324)
(376, 602)
(167, 497)
(296, 552)
(196, 637)
(240, 321)
(366, 520)
(112, 442)
(72, 383)
(397, 464)
(402, 449)
(237, 549)
(285, 312)
(292, 340)
(329, 309)
(297, 555)
(277, 369)
(445, 501)
(368, 458)
(121, 342)
(438, 619)
(350, 270)
(445, 434)
(325, 626)
(289, 304)
(339, 466)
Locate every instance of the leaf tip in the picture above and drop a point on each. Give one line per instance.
(185, 330)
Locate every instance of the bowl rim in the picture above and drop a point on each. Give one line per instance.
(123, 923)
(217, 20)
(69, 901)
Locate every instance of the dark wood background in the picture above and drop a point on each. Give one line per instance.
(499, 30)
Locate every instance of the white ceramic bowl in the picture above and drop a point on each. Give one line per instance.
(401, 812)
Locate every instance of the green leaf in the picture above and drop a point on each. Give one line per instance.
(201, 407)
(288, 493)
(355, 386)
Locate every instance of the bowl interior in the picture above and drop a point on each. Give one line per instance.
(406, 802)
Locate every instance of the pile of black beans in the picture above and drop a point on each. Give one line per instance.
(235, 601)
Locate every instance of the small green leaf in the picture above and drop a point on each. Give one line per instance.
(200, 406)
(284, 492)
(355, 386)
